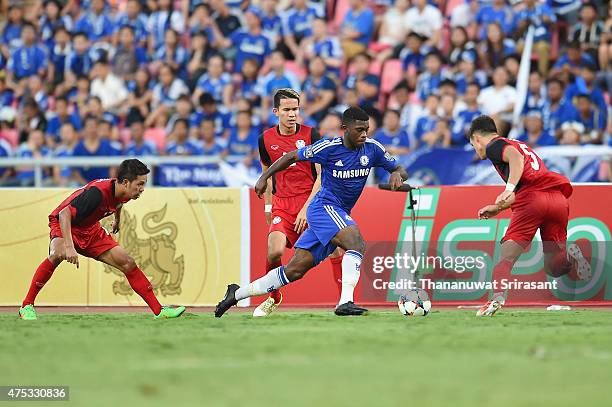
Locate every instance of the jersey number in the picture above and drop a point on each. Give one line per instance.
(534, 159)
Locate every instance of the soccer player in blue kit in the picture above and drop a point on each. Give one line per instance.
(346, 163)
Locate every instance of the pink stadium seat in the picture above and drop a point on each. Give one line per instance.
(158, 136)
(391, 75)
(10, 135)
(451, 5)
(300, 72)
(342, 6)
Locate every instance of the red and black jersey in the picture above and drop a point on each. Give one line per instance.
(299, 178)
(91, 203)
(535, 177)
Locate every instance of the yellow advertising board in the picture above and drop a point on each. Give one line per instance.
(186, 241)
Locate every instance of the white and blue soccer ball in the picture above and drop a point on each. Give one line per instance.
(415, 303)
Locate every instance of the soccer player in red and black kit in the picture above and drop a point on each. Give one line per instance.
(289, 193)
(75, 229)
(539, 200)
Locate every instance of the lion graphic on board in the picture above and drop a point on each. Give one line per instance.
(156, 255)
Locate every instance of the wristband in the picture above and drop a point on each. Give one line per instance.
(268, 208)
(510, 187)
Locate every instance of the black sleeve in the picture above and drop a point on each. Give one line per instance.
(86, 202)
(495, 150)
(314, 135)
(263, 152)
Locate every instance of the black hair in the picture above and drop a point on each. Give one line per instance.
(61, 98)
(131, 169)
(555, 80)
(90, 117)
(180, 120)
(285, 93)
(206, 99)
(482, 124)
(28, 24)
(79, 34)
(353, 114)
(472, 83)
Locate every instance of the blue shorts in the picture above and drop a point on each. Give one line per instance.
(324, 222)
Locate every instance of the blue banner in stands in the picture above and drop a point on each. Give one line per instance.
(208, 175)
(437, 166)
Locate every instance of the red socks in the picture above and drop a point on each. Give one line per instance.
(41, 276)
(276, 295)
(560, 265)
(502, 269)
(141, 285)
(336, 263)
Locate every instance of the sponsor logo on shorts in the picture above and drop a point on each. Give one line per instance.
(300, 143)
(364, 160)
(276, 220)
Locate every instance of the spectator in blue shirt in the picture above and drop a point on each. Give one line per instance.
(536, 93)
(278, 77)
(469, 74)
(248, 82)
(173, 54)
(571, 61)
(51, 21)
(93, 145)
(61, 116)
(181, 144)
(366, 84)
(541, 17)
(318, 91)
(427, 123)
(249, 42)
(79, 61)
(557, 109)
(208, 139)
(391, 135)
(28, 59)
(498, 12)
(7, 95)
(243, 138)
(215, 81)
(209, 110)
(429, 80)
(135, 19)
(161, 20)
(463, 118)
(585, 84)
(58, 55)
(297, 25)
(11, 35)
(534, 134)
(139, 146)
(64, 176)
(271, 22)
(96, 23)
(324, 45)
(357, 28)
(593, 120)
(35, 148)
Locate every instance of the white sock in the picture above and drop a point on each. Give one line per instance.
(351, 264)
(274, 280)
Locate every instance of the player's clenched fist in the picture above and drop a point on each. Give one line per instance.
(261, 186)
(72, 256)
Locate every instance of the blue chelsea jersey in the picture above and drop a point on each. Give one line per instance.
(344, 172)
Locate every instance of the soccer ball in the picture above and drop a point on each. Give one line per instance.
(415, 303)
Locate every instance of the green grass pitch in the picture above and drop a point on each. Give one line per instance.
(449, 358)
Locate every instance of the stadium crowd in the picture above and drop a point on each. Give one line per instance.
(195, 77)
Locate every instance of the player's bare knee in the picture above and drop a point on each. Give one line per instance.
(274, 256)
(55, 257)
(129, 264)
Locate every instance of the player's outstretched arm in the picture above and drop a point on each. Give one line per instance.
(281, 164)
